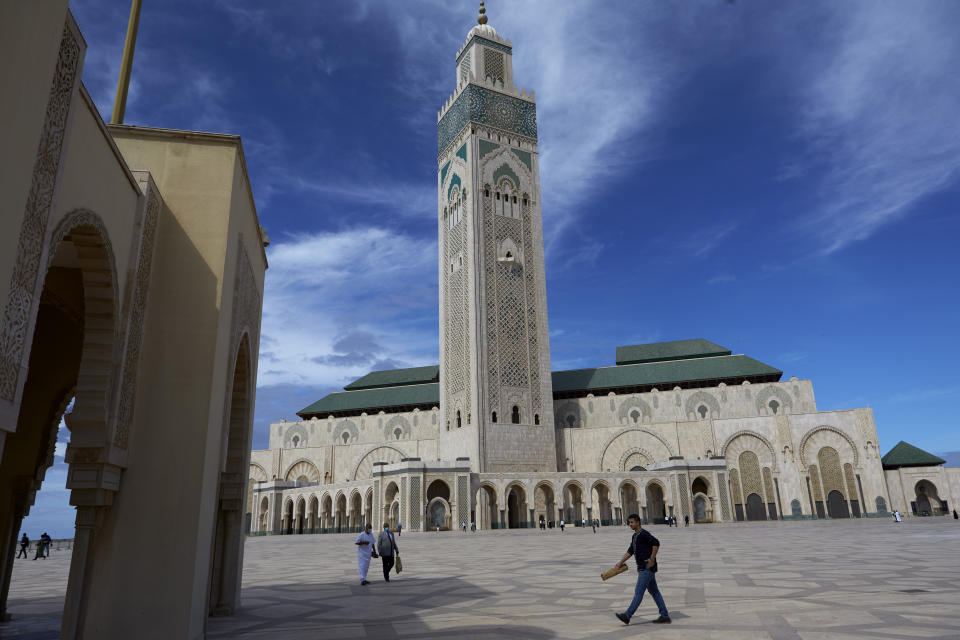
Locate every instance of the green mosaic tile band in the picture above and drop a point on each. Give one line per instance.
(486, 43)
(477, 104)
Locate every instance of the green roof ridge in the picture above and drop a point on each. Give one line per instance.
(672, 350)
(396, 377)
(905, 454)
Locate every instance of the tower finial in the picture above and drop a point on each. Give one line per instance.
(482, 19)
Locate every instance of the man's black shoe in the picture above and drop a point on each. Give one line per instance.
(622, 618)
(363, 582)
(662, 620)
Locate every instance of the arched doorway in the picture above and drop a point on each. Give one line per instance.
(755, 508)
(629, 500)
(603, 508)
(545, 505)
(517, 516)
(837, 505)
(656, 509)
(71, 355)
(391, 506)
(263, 523)
(326, 513)
(702, 509)
(313, 512)
(573, 507)
(487, 512)
(438, 492)
(368, 508)
(300, 519)
(927, 500)
(356, 512)
(288, 517)
(227, 554)
(340, 513)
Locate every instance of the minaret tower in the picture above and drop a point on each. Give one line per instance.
(496, 394)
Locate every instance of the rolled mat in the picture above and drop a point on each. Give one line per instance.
(609, 573)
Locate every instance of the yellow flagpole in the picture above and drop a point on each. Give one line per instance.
(123, 83)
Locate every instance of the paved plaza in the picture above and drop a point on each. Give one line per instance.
(784, 580)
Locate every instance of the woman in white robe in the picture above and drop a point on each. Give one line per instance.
(365, 542)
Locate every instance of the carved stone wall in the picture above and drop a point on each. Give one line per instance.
(26, 269)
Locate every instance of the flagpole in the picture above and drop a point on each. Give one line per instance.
(123, 83)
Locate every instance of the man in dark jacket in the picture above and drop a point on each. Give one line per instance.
(387, 547)
(643, 547)
(24, 545)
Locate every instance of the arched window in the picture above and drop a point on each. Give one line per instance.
(635, 416)
(345, 436)
(468, 418)
(881, 504)
(702, 410)
(536, 418)
(296, 441)
(458, 420)
(515, 415)
(398, 432)
(774, 405)
(494, 416)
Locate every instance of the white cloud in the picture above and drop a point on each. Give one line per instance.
(332, 300)
(880, 112)
(922, 395)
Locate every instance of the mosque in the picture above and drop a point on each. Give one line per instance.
(493, 436)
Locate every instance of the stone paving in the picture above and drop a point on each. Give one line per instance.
(786, 580)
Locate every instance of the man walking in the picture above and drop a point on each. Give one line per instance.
(561, 526)
(386, 547)
(643, 547)
(593, 523)
(46, 544)
(24, 545)
(365, 542)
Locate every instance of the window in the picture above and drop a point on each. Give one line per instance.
(486, 193)
(702, 410)
(509, 256)
(296, 441)
(398, 432)
(571, 420)
(635, 416)
(345, 436)
(458, 420)
(774, 405)
(494, 416)
(515, 415)
(536, 418)
(525, 201)
(448, 425)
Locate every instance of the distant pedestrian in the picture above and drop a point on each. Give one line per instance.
(387, 548)
(593, 524)
(24, 545)
(39, 550)
(399, 529)
(543, 524)
(897, 517)
(46, 540)
(365, 551)
(473, 526)
(686, 521)
(583, 522)
(561, 526)
(955, 516)
(643, 547)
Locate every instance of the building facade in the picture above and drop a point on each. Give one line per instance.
(491, 435)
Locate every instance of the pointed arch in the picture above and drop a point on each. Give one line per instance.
(380, 453)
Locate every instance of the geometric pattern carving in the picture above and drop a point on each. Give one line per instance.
(691, 408)
(364, 468)
(620, 446)
(830, 471)
(456, 349)
(302, 468)
(784, 401)
(822, 436)
(684, 491)
(138, 308)
(487, 107)
(815, 481)
(752, 441)
(735, 486)
(36, 215)
(750, 473)
(724, 499)
(493, 64)
(643, 411)
(415, 502)
(465, 68)
(463, 500)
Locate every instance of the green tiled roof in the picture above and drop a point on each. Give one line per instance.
(396, 377)
(907, 455)
(662, 373)
(374, 399)
(676, 350)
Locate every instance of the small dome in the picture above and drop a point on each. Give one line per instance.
(483, 30)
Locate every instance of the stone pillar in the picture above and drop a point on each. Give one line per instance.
(503, 519)
(79, 563)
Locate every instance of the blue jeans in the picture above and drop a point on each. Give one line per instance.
(647, 581)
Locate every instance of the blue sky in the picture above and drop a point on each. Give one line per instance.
(781, 179)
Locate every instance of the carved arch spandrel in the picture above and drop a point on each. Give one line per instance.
(652, 445)
(826, 435)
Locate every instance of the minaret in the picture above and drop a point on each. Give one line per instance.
(496, 396)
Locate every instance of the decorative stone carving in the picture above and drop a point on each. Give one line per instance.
(26, 269)
(138, 305)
